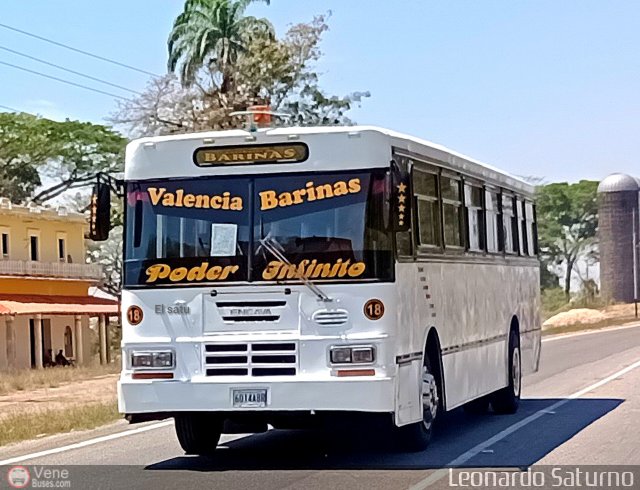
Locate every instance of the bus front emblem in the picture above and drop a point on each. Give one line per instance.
(374, 309)
(134, 315)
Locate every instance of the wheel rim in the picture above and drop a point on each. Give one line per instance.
(429, 398)
(515, 371)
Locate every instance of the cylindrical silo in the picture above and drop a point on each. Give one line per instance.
(617, 205)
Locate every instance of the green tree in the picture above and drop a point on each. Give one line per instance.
(567, 224)
(41, 159)
(212, 34)
(80, 151)
(24, 149)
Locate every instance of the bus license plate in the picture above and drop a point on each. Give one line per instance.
(250, 398)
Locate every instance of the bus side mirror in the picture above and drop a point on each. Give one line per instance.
(100, 220)
(400, 208)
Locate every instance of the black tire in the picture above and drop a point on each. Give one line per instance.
(507, 400)
(198, 433)
(415, 437)
(477, 406)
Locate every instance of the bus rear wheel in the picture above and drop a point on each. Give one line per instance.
(507, 400)
(198, 433)
(416, 436)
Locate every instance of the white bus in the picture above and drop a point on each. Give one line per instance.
(298, 273)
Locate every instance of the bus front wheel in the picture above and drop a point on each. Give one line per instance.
(198, 433)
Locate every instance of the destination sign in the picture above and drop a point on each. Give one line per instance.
(245, 155)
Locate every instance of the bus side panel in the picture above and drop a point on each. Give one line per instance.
(489, 296)
(471, 306)
(469, 300)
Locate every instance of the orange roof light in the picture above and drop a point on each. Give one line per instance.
(261, 116)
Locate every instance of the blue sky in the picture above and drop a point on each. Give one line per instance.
(542, 87)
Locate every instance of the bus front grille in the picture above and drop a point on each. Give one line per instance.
(251, 359)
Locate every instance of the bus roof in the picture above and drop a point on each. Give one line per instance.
(414, 146)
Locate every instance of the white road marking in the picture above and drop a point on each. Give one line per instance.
(226, 438)
(474, 451)
(89, 442)
(562, 336)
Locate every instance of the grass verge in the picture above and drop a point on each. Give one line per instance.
(30, 379)
(30, 425)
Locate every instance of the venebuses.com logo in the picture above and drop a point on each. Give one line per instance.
(38, 477)
(18, 477)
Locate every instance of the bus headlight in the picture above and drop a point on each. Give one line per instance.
(162, 359)
(352, 355)
(340, 355)
(362, 354)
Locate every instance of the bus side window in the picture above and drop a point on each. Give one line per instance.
(475, 217)
(509, 224)
(425, 188)
(530, 228)
(452, 211)
(522, 228)
(493, 221)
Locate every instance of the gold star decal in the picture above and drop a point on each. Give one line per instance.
(401, 223)
(401, 208)
(401, 216)
(402, 187)
(401, 198)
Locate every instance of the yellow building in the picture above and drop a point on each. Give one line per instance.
(45, 304)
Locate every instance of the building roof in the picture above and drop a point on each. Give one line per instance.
(619, 183)
(32, 304)
(46, 212)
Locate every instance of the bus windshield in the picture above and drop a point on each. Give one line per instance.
(326, 227)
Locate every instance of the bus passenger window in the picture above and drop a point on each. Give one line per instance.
(493, 221)
(425, 187)
(452, 212)
(509, 224)
(475, 217)
(530, 228)
(522, 229)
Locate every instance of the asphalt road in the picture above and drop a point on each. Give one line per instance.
(582, 407)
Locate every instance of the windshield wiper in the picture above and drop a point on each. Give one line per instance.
(275, 249)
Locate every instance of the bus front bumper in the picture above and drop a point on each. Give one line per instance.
(350, 394)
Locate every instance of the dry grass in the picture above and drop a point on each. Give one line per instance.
(20, 426)
(30, 379)
(577, 327)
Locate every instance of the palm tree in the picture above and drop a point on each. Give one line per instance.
(212, 33)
